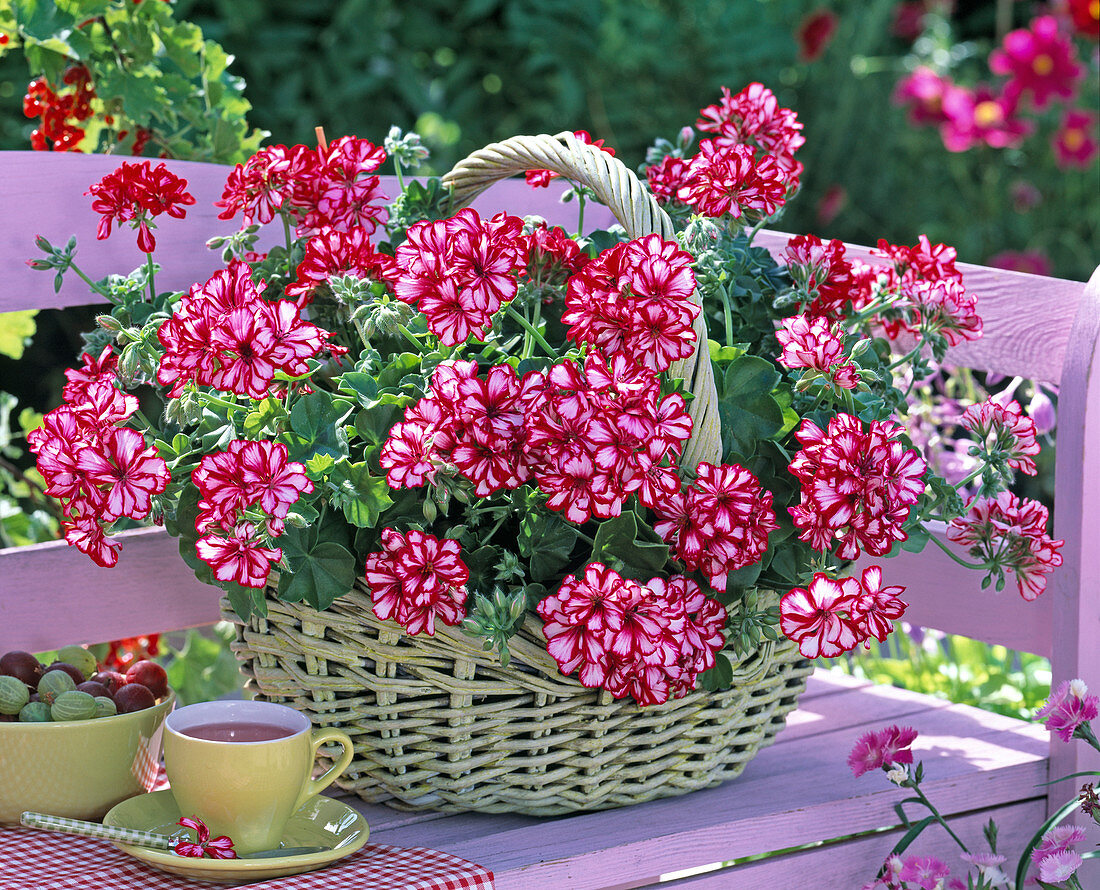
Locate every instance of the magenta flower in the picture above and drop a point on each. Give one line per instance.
(216, 848)
(1070, 707)
(1040, 60)
(1074, 142)
(926, 871)
(981, 116)
(1033, 262)
(882, 750)
(923, 92)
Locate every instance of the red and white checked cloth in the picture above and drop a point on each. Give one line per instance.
(40, 860)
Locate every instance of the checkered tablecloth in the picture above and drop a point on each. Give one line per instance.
(42, 860)
(39, 860)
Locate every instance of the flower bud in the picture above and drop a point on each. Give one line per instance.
(429, 510)
(108, 323)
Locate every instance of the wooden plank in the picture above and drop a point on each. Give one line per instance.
(853, 863)
(1075, 592)
(967, 766)
(1026, 318)
(947, 596)
(52, 594)
(48, 188)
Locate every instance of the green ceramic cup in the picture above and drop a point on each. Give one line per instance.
(81, 768)
(247, 789)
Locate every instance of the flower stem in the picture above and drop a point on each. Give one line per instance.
(936, 814)
(728, 311)
(959, 560)
(286, 232)
(88, 281)
(580, 211)
(150, 269)
(400, 178)
(411, 337)
(212, 399)
(533, 331)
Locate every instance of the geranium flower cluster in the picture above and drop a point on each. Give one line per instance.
(589, 437)
(224, 334)
(719, 523)
(331, 186)
(648, 641)
(746, 169)
(552, 256)
(245, 492)
(333, 252)
(458, 272)
(858, 485)
(635, 300)
(814, 343)
(930, 297)
(99, 470)
(416, 580)
(1010, 533)
(820, 270)
(830, 616)
(135, 193)
(1040, 63)
(1005, 432)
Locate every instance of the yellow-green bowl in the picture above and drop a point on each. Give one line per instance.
(80, 768)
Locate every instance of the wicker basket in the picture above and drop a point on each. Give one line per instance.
(437, 723)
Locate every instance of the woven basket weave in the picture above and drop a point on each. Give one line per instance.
(437, 723)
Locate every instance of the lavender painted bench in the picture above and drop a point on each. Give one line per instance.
(797, 793)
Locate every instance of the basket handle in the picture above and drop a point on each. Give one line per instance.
(636, 209)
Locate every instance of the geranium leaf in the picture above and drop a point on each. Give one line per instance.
(360, 385)
(16, 331)
(548, 542)
(619, 545)
(316, 427)
(719, 677)
(318, 576)
(362, 496)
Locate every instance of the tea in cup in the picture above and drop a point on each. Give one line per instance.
(245, 767)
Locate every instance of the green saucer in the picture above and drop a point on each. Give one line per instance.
(322, 821)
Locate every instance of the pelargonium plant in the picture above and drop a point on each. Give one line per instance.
(473, 417)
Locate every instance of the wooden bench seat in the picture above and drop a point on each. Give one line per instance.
(797, 796)
(797, 792)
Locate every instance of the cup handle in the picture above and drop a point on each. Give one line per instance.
(313, 787)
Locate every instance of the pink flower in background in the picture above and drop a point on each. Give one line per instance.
(981, 116)
(815, 33)
(1033, 262)
(1039, 60)
(1074, 143)
(1025, 196)
(882, 750)
(1069, 707)
(1010, 534)
(830, 205)
(1085, 15)
(1042, 413)
(908, 19)
(923, 92)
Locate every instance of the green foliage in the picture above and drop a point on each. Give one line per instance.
(16, 331)
(151, 74)
(959, 669)
(204, 667)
